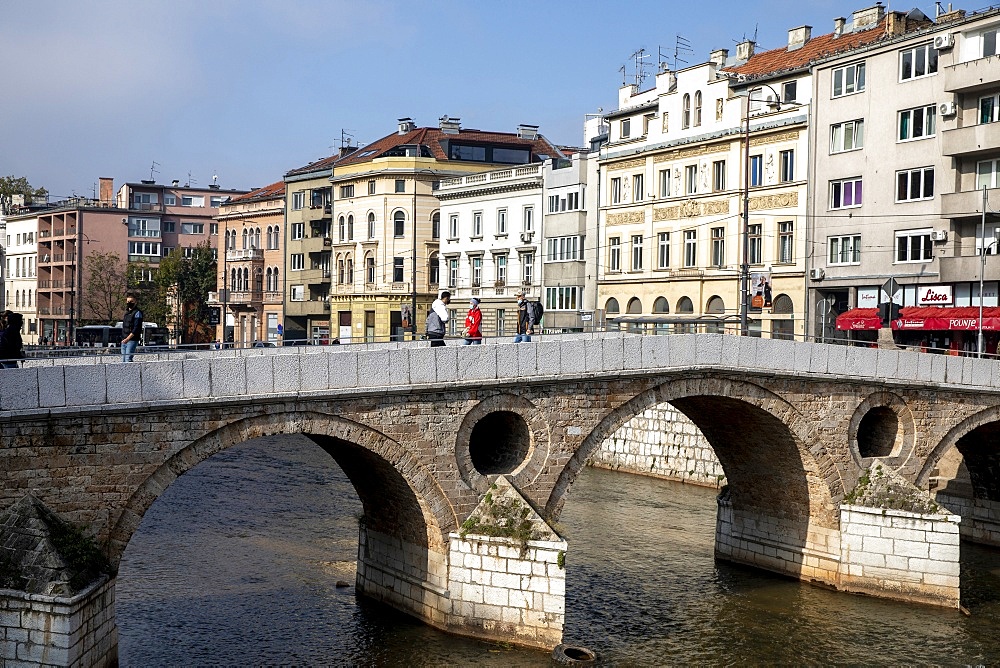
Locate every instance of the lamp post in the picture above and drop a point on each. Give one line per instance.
(982, 270)
(745, 266)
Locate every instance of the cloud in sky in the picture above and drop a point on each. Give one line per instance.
(252, 88)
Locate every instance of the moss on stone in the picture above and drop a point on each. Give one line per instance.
(878, 487)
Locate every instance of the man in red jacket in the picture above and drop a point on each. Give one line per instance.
(473, 324)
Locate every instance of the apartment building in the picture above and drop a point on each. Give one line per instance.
(251, 269)
(372, 272)
(907, 140)
(21, 272)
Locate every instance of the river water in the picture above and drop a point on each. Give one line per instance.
(237, 564)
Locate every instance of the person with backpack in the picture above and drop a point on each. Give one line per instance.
(436, 318)
(525, 319)
(11, 346)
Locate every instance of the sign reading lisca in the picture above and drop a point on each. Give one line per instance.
(935, 295)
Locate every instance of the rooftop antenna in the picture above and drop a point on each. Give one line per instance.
(345, 138)
(190, 180)
(624, 77)
(681, 46)
(640, 67)
(215, 179)
(153, 169)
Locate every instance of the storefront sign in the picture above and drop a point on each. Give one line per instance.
(867, 297)
(935, 295)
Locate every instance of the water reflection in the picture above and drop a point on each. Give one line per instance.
(237, 564)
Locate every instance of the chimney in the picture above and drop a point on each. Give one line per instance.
(175, 183)
(107, 187)
(838, 26)
(868, 17)
(347, 150)
(450, 126)
(744, 50)
(718, 57)
(528, 132)
(406, 125)
(797, 37)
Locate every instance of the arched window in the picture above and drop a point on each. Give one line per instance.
(370, 268)
(232, 280)
(433, 269)
(350, 269)
(340, 269)
(256, 238)
(611, 306)
(258, 280)
(246, 280)
(685, 305)
(634, 306)
(715, 305)
(246, 238)
(31, 295)
(268, 272)
(436, 226)
(343, 228)
(783, 304)
(371, 227)
(697, 108)
(686, 112)
(398, 224)
(661, 305)
(269, 246)
(17, 298)
(277, 283)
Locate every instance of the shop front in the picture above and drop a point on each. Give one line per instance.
(952, 330)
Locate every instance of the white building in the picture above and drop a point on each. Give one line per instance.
(21, 272)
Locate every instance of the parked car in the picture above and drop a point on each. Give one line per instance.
(263, 344)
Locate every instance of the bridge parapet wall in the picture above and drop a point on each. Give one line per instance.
(332, 370)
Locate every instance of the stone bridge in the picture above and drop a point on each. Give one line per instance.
(426, 434)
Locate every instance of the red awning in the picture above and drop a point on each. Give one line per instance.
(859, 318)
(935, 318)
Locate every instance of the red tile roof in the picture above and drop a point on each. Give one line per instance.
(272, 191)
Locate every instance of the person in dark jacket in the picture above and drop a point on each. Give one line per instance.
(131, 328)
(11, 346)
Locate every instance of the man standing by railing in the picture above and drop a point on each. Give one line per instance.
(131, 328)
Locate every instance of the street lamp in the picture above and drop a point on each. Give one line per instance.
(745, 266)
(982, 270)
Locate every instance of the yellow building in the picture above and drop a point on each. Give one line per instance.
(362, 254)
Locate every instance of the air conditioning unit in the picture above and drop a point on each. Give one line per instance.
(947, 109)
(939, 235)
(817, 274)
(526, 236)
(944, 41)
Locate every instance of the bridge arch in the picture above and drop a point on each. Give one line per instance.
(976, 438)
(762, 441)
(400, 496)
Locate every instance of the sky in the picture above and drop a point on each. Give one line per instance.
(247, 90)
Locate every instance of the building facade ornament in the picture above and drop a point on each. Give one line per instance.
(790, 135)
(691, 209)
(626, 217)
(777, 201)
(627, 164)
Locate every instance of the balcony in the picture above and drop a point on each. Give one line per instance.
(497, 176)
(966, 268)
(972, 76)
(247, 297)
(244, 254)
(966, 203)
(316, 244)
(974, 140)
(271, 297)
(306, 308)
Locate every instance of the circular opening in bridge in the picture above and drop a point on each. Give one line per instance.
(499, 443)
(877, 432)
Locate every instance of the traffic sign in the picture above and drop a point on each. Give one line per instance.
(891, 292)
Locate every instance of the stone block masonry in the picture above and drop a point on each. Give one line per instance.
(980, 517)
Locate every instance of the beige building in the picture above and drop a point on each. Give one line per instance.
(252, 267)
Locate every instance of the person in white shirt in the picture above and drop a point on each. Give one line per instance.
(437, 318)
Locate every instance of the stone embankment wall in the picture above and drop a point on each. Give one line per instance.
(663, 443)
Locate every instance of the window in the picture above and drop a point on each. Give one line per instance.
(849, 79)
(697, 108)
(397, 270)
(345, 192)
(400, 186)
(626, 128)
(719, 175)
(756, 170)
(298, 293)
(615, 254)
(171, 226)
(452, 272)
(370, 269)
(298, 231)
(453, 226)
(501, 221)
(989, 108)
(786, 252)
(665, 182)
(371, 225)
(298, 200)
(436, 225)
(690, 248)
(845, 250)
(192, 200)
(528, 267)
(342, 229)
(789, 91)
(718, 246)
(477, 224)
(787, 166)
(298, 261)
(616, 190)
(920, 61)
(847, 136)
(915, 184)
(528, 219)
(845, 194)
(989, 43)
(340, 271)
(398, 224)
(477, 271)
(637, 188)
(192, 228)
(561, 298)
(663, 250)
(636, 252)
(986, 174)
(913, 246)
(916, 123)
(216, 201)
(434, 269)
(691, 179)
(553, 203)
(686, 112)
(755, 243)
(563, 249)
(501, 265)
(371, 187)
(169, 199)
(213, 229)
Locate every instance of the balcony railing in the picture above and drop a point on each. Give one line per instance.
(271, 297)
(243, 254)
(246, 297)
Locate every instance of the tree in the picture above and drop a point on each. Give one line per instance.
(18, 185)
(188, 280)
(103, 298)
